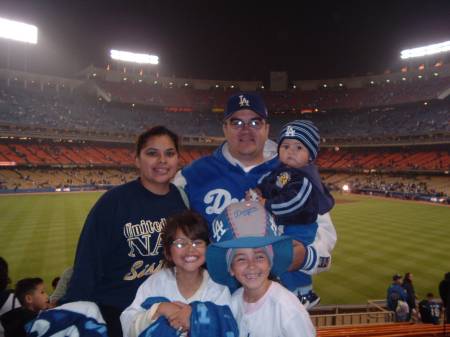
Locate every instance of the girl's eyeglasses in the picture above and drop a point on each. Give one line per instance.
(183, 243)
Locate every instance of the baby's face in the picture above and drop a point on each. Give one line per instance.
(293, 153)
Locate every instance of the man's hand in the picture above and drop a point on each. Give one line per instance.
(298, 255)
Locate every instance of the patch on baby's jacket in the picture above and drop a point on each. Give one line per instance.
(282, 179)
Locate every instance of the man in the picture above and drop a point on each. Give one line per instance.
(397, 298)
(213, 182)
(444, 293)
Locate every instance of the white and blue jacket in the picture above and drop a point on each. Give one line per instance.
(213, 182)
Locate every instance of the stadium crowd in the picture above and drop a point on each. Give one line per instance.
(84, 112)
(412, 190)
(323, 98)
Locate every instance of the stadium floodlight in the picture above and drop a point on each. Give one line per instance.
(128, 56)
(426, 50)
(18, 31)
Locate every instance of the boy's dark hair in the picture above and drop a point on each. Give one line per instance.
(25, 287)
(191, 224)
(154, 132)
(4, 278)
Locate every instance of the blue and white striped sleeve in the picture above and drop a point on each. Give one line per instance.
(292, 199)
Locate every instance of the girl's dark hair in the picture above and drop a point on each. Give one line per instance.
(4, 278)
(158, 130)
(191, 224)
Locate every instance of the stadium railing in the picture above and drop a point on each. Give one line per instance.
(374, 312)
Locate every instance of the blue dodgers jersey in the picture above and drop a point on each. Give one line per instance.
(212, 183)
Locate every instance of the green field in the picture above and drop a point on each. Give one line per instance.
(376, 239)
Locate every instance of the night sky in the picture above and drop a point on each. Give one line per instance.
(233, 40)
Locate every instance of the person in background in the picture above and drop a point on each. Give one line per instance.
(55, 282)
(430, 310)
(8, 301)
(121, 242)
(33, 298)
(444, 293)
(61, 287)
(409, 287)
(397, 298)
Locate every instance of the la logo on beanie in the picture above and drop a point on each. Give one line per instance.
(243, 101)
(290, 132)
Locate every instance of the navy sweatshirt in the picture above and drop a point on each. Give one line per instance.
(120, 244)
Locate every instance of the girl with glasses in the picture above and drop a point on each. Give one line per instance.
(174, 298)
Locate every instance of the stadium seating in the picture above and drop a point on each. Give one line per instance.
(388, 113)
(321, 98)
(47, 178)
(85, 113)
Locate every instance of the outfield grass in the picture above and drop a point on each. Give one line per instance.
(380, 237)
(376, 239)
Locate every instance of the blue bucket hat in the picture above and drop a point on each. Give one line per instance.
(304, 131)
(246, 100)
(245, 225)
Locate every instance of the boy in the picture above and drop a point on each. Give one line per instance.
(33, 298)
(248, 250)
(430, 310)
(293, 192)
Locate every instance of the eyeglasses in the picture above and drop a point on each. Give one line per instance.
(183, 243)
(255, 123)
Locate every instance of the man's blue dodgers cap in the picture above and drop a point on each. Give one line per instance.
(246, 100)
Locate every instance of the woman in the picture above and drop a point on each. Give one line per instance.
(409, 287)
(121, 242)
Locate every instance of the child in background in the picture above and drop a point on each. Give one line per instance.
(8, 301)
(248, 250)
(176, 295)
(295, 195)
(33, 298)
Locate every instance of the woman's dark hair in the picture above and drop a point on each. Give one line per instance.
(154, 132)
(191, 224)
(4, 278)
(407, 278)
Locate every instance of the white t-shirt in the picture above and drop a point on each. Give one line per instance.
(135, 319)
(278, 313)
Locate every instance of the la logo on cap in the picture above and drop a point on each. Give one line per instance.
(243, 101)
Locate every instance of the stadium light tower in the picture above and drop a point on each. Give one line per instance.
(138, 62)
(127, 56)
(18, 31)
(426, 50)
